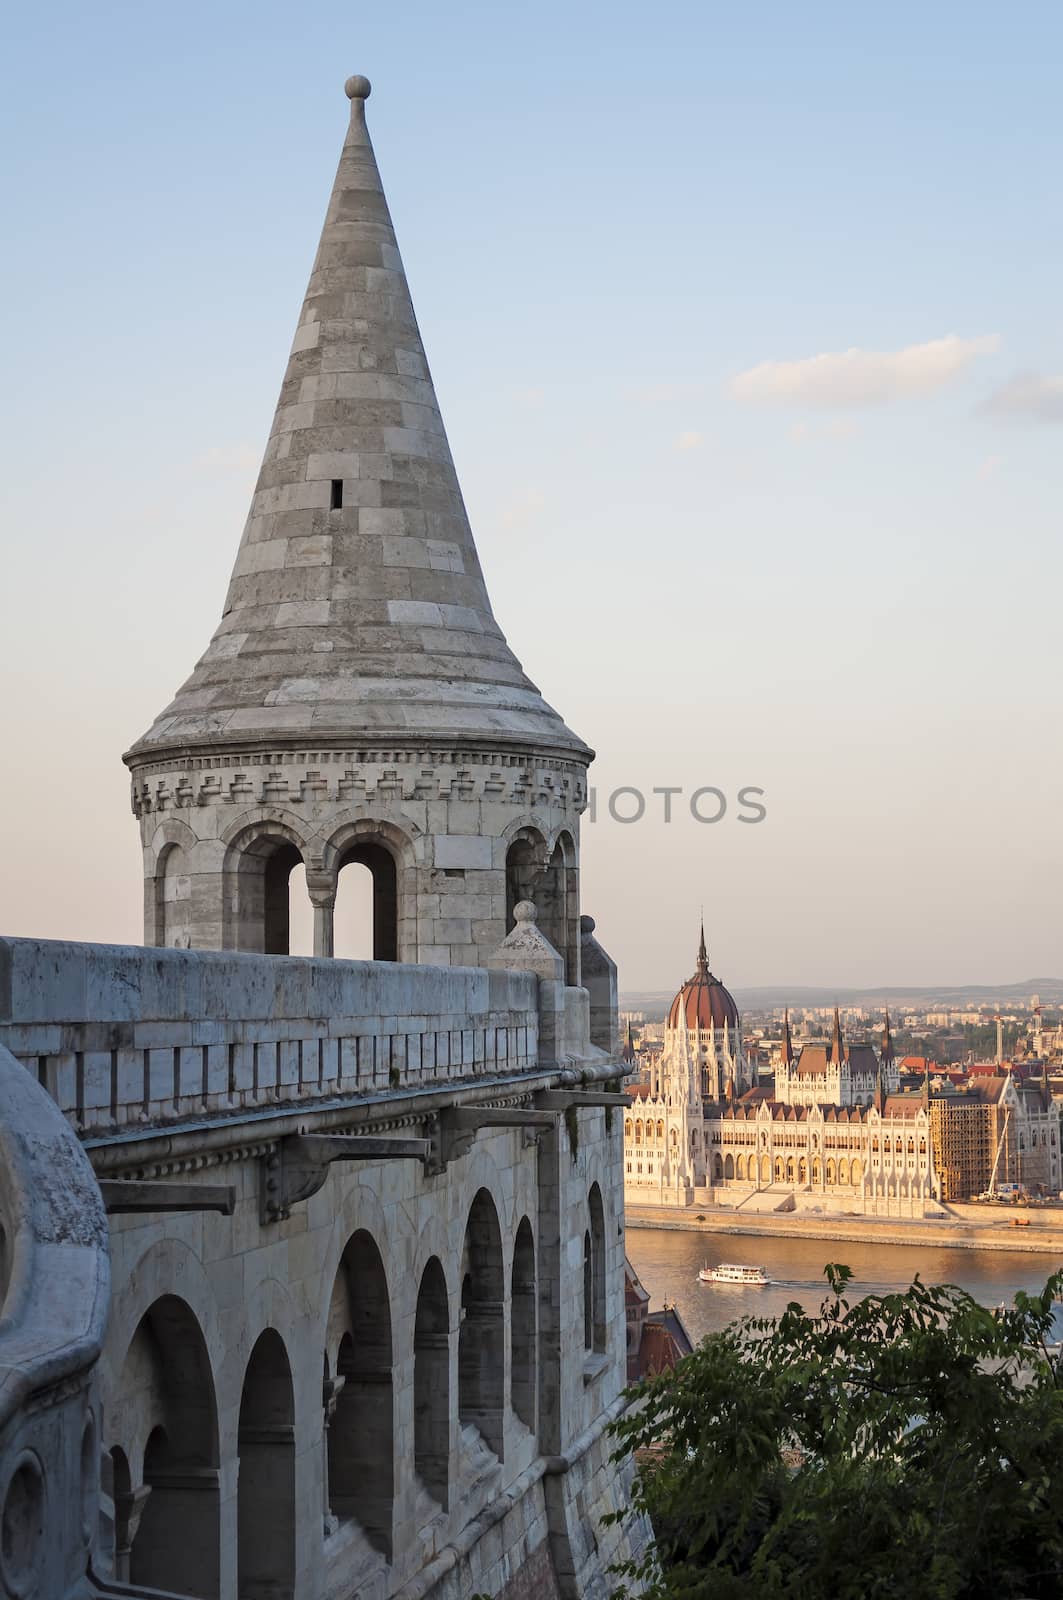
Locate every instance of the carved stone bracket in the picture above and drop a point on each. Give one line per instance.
(298, 1164)
(125, 1195)
(456, 1127)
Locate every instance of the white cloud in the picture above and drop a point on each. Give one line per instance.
(987, 467)
(852, 378)
(1032, 395)
(689, 440)
(529, 396)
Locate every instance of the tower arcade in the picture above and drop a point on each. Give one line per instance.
(358, 702)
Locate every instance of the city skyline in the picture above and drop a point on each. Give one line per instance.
(757, 434)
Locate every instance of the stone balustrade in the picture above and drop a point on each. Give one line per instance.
(124, 1037)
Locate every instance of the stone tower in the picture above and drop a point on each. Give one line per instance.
(358, 702)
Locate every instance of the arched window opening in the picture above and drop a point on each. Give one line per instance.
(265, 1501)
(170, 1523)
(366, 917)
(431, 1383)
(258, 897)
(588, 1292)
(660, 1131)
(550, 882)
(597, 1237)
(361, 1433)
(831, 1171)
(856, 1171)
(173, 899)
(717, 1168)
(729, 1166)
(481, 1341)
(740, 1168)
(765, 1169)
(802, 1171)
(790, 1175)
(523, 1326)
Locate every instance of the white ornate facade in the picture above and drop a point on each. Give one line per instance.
(835, 1135)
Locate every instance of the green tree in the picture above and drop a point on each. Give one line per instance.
(905, 1445)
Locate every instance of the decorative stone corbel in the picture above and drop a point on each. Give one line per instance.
(297, 1166)
(455, 1129)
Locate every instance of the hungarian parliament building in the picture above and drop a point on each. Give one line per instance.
(833, 1134)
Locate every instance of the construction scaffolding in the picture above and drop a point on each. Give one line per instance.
(962, 1137)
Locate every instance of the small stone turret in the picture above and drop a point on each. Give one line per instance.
(358, 702)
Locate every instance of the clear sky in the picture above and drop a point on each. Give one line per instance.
(745, 322)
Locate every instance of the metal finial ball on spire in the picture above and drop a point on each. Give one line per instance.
(357, 87)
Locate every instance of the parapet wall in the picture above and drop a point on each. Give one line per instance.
(124, 1036)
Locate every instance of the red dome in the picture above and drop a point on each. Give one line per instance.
(703, 1000)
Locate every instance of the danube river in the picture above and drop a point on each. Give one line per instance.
(667, 1261)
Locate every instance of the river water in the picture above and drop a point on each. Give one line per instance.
(668, 1260)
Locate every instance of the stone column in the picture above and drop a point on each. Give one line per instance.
(128, 1510)
(321, 887)
(330, 1393)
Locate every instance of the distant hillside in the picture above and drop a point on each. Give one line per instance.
(768, 997)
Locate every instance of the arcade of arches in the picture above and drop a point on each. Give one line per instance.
(476, 1317)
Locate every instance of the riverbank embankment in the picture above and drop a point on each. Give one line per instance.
(962, 1232)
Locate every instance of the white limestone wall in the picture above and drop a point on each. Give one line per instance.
(542, 1501)
(447, 819)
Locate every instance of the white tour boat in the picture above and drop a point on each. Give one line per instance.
(728, 1272)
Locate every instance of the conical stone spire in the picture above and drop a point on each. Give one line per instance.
(358, 703)
(357, 611)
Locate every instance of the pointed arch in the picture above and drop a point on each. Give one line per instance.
(596, 1234)
(481, 1341)
(171, 1522)
(265, 1512)
(431, 1383)
(523, 1340)
(361, 1469)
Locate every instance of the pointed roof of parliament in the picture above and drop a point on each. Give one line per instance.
(357, 611)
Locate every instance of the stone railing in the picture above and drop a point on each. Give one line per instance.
(54, 1284)
(123, 1037)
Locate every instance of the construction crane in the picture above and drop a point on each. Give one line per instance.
(996, 1160)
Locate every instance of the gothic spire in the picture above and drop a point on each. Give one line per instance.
(837, 1047)
(703, 954)
(357, 610)
(887, 1040)
(787, 1040)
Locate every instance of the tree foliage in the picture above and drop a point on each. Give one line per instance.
(903, 1445)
